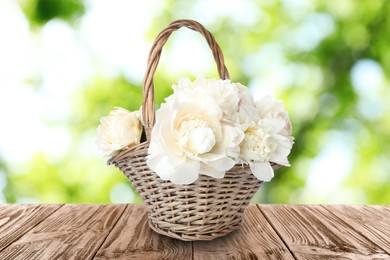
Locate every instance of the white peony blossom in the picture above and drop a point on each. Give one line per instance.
(222, 92)
(267, 139)
(267, 108)
(119, 129)
(190, 138)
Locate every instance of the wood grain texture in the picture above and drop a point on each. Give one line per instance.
(133, 239)
(255, 239)
(17, 219)
(122, 232)
(312, 232)
(72, 232)
(372, 222)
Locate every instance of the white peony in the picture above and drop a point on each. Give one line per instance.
(191, 138)
(222, 92)
(267, 108)
(267, 139)
(121, 128)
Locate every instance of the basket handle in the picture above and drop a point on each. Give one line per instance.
(148, 108)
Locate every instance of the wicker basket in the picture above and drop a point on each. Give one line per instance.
(204, 210)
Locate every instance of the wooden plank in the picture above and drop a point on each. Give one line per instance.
(133, 239)
(17, 219)
(372, 222)
(72, 232)
(255, 239)
(312, 232)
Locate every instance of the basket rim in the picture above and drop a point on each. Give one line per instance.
(139, 148)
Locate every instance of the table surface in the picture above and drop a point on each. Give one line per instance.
(121, 231)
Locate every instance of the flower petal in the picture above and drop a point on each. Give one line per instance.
(223, 164)
(208, 157)
(162, 167)
(168, 142)
(283, 149)
(154, 156)
(262, 170)
(210, 171)
(273, 125)
(233, 136)
(186, 173)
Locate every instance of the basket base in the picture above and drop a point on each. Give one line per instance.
(196, 237)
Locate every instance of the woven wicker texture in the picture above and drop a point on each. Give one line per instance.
(204, 210)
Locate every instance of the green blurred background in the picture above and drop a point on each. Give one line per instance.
(66, 63)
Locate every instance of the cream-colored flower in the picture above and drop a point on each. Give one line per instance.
(270, 109)
(222, 92)
(267, 139)
(189, 139)
(121, 128)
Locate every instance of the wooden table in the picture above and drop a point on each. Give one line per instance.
(121, 231)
